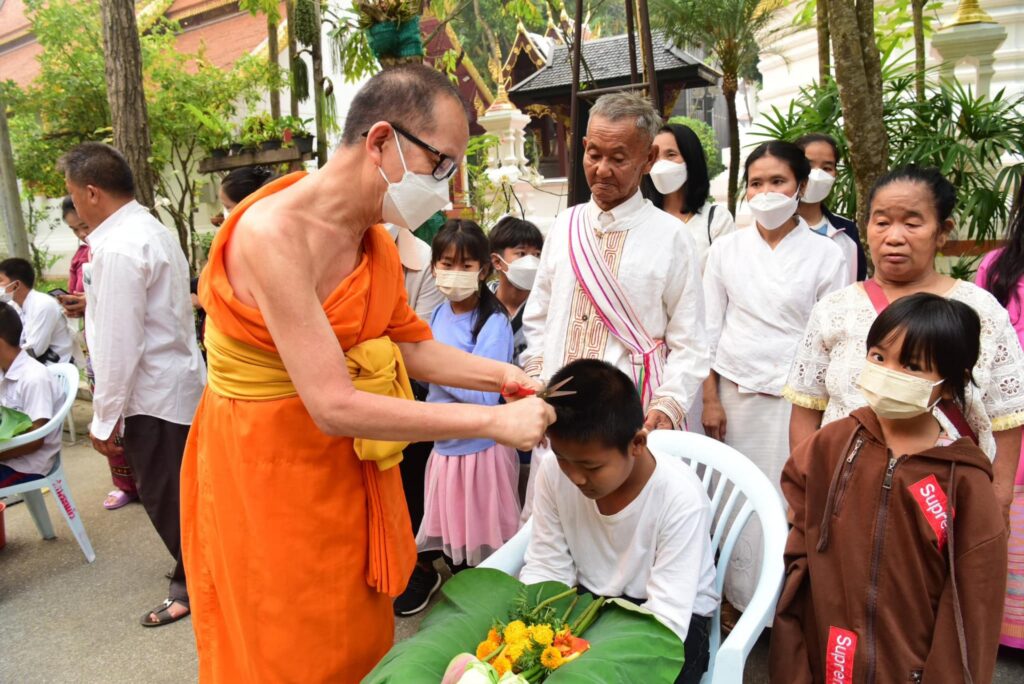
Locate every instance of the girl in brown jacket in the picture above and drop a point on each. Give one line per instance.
(895, 561)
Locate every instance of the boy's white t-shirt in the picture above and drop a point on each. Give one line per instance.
(657, 549)
(30, 388)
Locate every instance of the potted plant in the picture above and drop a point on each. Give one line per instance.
(259, 131)
(215, 132)
(392, 29)
(294, 133)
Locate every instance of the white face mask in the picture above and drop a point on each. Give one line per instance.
(457, 286)
(819, 184)
(522, 271)
(5, 296)
(668, 176)
(895, 395)
(772, 209)
(415, 198)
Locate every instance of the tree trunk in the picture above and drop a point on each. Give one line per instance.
(273, 56)
(858, 75)
(824, 58)
(316, 52)
(10, 203)
(125, 93)
(293, 101)
(730, 84)
(917, 10)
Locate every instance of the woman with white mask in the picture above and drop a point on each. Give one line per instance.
(822, 152)
(678, 184)
(760, 284)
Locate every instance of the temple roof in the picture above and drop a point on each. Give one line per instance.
(608, 62)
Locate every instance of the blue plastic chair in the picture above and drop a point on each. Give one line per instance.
(67, 376)
(730, 480)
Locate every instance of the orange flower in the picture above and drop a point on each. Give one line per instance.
(501, 665)
(485, 648)
(492, 635)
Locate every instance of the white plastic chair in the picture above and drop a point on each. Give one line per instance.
(718, 465)
(67, 376)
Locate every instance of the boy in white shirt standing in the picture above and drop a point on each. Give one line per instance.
(28, 387)
(616, 519)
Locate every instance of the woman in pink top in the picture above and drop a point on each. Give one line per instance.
(1002, 273)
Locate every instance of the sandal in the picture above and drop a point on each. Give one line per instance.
(163, 615)
(118, 499)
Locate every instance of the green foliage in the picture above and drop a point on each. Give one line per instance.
(37, 219)
(304, 18)
(350, 50)
(266, 7)
(626, 645)
(708, 140)
(894, 24)
(259, 128)
(967, 137)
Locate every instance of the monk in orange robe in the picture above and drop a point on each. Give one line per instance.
(295, 534)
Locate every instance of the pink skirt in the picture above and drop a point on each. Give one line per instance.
(470, 504)
(1013, 608)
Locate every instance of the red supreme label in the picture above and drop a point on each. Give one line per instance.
(932, 500)
(842, 644)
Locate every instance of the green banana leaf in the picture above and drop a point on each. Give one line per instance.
(626, 645)
(13, 423)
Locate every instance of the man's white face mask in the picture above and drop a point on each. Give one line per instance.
(414, 198)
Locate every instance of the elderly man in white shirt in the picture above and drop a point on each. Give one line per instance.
(149, 373)
(45, 335)
(619, 278)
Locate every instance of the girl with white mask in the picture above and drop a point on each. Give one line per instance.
(822, 152)
(515, 256)
(678, 184)
(471, 499)
(760, 284)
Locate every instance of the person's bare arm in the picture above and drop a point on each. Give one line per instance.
(25, 449)
(432, 361)
(1004, 468)
(316, 363)
(803, 422)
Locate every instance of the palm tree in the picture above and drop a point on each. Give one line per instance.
(730, 32)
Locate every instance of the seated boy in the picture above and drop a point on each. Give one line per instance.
(616, 519)
(515, 254)
(28, 387)
(45, 333)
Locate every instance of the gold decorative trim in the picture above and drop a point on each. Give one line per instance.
(808, 402)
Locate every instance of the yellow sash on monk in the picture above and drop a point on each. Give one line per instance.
(241, 371)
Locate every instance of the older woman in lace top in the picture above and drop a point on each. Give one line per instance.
(910, 220)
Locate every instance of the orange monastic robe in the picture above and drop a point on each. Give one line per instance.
(276, 531)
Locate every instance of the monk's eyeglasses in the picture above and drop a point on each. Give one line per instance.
(445, 166)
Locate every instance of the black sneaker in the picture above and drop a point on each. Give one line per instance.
(416, 596)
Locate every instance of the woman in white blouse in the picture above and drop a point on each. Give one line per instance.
(910, 219)
(760, 285)
(681, 188)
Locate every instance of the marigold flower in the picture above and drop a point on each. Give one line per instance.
(501, 665)
(492, 635)
(516, 649)
(485, 648)
(542, 634)
(551, 658)
(515, 631)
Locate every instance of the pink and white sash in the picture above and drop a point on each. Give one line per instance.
(613, 307)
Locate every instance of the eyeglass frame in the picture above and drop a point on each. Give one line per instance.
(441, 156)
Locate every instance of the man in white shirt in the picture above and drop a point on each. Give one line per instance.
(651, 256)
(46, 335)
(618, 520)
(149, 374)
(26, 386)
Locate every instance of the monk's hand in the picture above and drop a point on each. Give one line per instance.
(522, 424)
(514, 380)
(656, 420)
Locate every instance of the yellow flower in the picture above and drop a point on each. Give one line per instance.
(551, 658)
(516, 649)
(515, 631)
(542, 634)
(501, 665)
(485, 648)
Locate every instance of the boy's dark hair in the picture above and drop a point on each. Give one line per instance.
(606, 407)
(67, 205)
(10, 325)
(470, 243)
(943, 333)
(512, 232)
(240, 183)
(19, 269)
(789, 153)
(100, 165)
(943, 192)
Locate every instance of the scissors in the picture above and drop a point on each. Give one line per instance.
(549, 392)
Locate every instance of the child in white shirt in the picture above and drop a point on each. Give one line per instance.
(618, 520)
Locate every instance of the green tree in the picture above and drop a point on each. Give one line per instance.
(732, 33)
